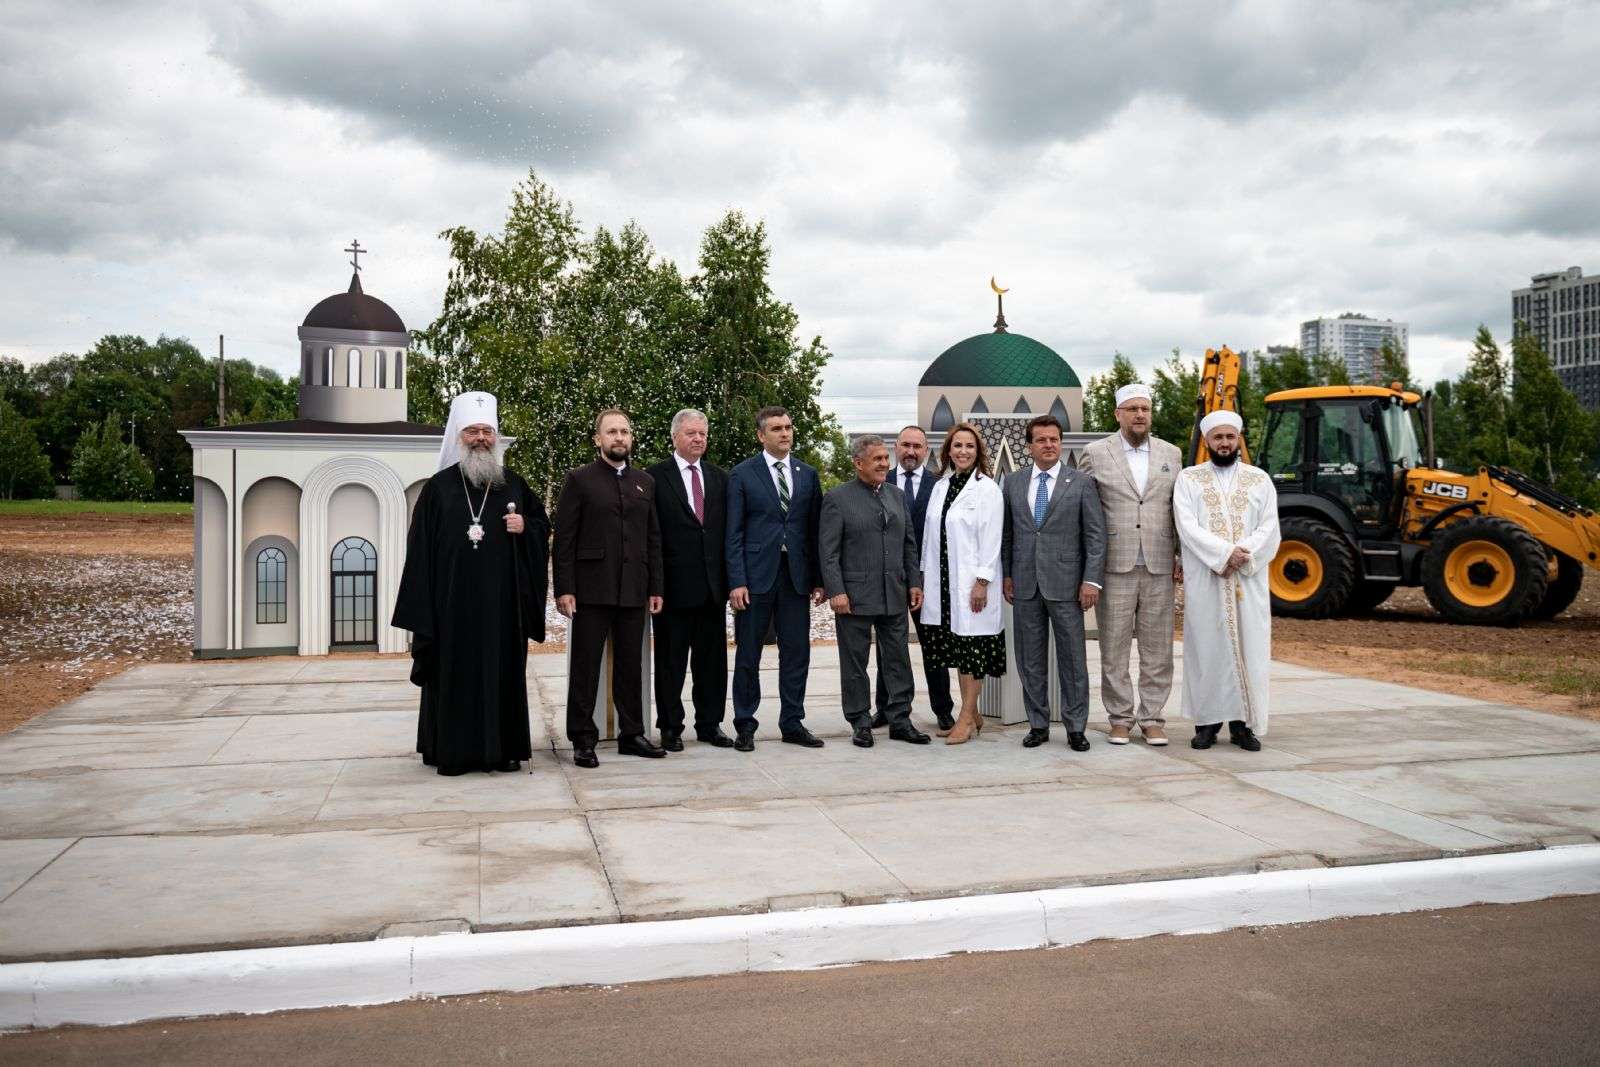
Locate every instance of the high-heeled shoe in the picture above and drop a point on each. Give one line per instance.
(966, 728)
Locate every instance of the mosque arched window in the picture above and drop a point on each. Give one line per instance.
(381, 361)
(272, 586)
(352, 376)
(399, 370)
(1059, 410)
(943, 418)
(979, 407)
(1022, 407)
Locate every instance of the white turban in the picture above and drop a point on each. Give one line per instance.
(1132, 391)
(1220, 418)
(468, 409)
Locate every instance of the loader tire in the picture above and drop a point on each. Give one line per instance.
(1562, 590)
(1314, 571)
(1485, 571)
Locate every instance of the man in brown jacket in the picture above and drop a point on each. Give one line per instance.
(1135, 473)
(608, 574)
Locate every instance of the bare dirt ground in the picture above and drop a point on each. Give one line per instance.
(86, 596)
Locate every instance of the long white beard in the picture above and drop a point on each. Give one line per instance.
(482, 467)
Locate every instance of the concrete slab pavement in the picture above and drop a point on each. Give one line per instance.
(181, 806)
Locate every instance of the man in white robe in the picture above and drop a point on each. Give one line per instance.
(1226, 513)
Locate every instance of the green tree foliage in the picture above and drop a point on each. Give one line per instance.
(151, 390)
(1393, 366)
(105, 467)
(1551, 433)
(1174, 388)
(1100, 398)
(24, 469)
(558, 326)
(1482, 397)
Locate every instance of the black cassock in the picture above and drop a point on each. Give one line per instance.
(471, 613)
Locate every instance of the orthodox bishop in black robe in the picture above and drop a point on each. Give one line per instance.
(473, 595)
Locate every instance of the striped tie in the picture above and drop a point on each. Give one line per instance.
(1041, 500)
(783, 488)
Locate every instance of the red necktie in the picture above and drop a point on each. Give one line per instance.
(699, 494)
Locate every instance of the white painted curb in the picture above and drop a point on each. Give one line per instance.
(113, 991)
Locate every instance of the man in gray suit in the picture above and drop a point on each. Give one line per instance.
(1053, 555)
(1135, 473)
(871, 576)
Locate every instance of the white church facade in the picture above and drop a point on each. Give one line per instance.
(300, 526)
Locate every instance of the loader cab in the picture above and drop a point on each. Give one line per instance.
(1346, 448)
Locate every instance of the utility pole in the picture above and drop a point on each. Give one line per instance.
(222, 386)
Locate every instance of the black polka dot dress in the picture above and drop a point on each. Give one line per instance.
(980, 656)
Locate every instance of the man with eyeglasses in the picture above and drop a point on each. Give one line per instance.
(871, 574)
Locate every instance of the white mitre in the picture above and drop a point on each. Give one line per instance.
(468, 409)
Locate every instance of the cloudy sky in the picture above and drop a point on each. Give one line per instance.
(1141, 175)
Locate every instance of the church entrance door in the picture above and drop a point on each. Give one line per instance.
(354, 590)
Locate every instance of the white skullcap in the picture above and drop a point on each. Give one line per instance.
(1132, 391)
(468, 409)
(1220, 418)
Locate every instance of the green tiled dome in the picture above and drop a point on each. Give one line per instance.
(1001, 359)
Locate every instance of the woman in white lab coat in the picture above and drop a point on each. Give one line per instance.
(961, 622)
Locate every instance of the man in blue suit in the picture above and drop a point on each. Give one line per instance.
(774, 502)
(917, 482)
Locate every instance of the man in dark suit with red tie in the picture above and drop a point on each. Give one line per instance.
(916, 482)
(608, 575)
(691, 630)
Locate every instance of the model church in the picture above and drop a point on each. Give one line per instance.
(300, 526)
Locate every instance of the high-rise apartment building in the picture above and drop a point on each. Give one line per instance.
(1356, 340)
(1562, 309)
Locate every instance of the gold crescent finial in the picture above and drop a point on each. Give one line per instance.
(995, 287)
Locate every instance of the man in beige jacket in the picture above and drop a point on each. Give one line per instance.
(1135, 473)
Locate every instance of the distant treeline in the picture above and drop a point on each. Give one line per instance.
(1507, 410)
(108, 420)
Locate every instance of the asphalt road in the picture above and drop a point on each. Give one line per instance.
(1495, 984)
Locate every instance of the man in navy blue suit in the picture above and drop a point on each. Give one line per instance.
(917, 482)
(774, 502)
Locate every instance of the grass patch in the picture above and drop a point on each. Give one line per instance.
(49, 509)
(1570, 678)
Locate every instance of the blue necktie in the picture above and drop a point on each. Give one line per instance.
(1041, 500)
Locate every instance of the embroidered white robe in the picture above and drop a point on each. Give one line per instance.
(1227, 622)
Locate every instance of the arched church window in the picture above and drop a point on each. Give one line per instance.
(308, 363)
(1059, 410)
(272, 586)
(979, 407)
(942, 419)
(1022, 407)
(327, 366)
(381, 361)
(352, 376)
(354, 566)
(399, 370)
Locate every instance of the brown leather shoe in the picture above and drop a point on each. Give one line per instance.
(1153, 735)
(1120, 735)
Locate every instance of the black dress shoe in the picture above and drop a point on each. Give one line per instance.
(803, 737)
(879, 722)
(1077, 741)
(862, 738)
(1241, 735)
(908, 733)
(716, 738)
(672, 740)
(452, 772)
(947, 721)
(1035, 738)
(639, 745)
(746, 741)
(1205, 736)
(585, 757)
(510, 766)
